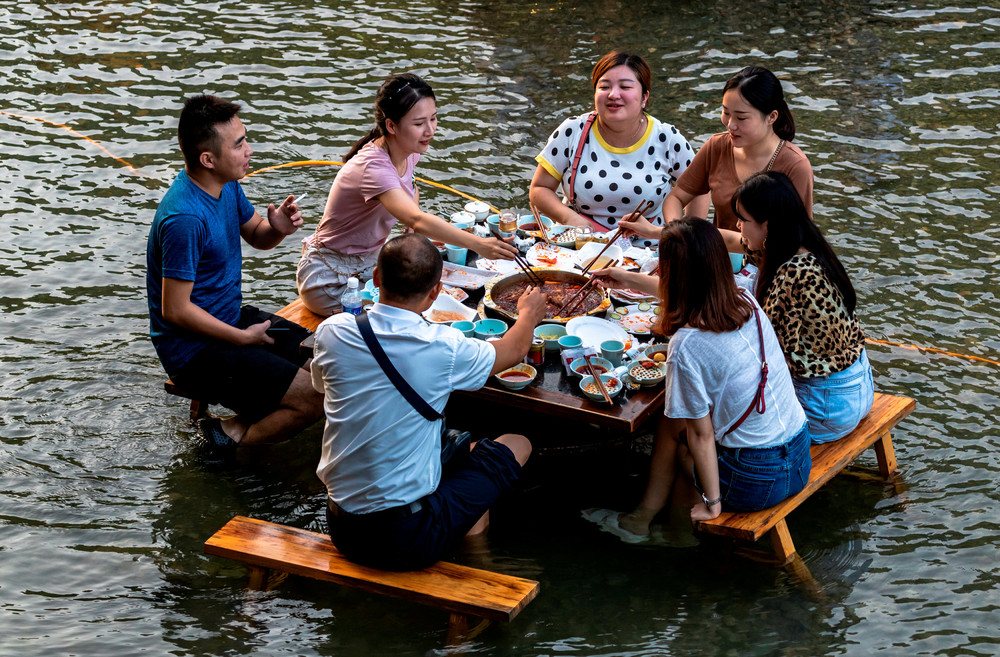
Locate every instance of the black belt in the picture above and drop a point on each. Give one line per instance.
(394, 513)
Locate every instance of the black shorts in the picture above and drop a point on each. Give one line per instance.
(250, 380)
(418, 535)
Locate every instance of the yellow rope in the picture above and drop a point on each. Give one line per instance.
(932, 350)
(331, 163)
(76, 134)
(440, 186)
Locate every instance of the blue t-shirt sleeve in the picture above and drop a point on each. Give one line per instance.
(244, 208)
(182, 237)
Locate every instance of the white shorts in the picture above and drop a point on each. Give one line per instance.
(322, 274)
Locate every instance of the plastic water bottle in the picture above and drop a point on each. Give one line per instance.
(351, 299)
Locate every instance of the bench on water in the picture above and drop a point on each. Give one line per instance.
(296, 312)
(471, 595)
(828, 460)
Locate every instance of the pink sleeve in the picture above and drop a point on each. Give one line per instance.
(378, 177)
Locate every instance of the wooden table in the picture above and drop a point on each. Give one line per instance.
(554, 394)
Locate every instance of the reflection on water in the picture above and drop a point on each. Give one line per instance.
(105, 500)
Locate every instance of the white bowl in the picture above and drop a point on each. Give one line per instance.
(447, 304)
(522, 369)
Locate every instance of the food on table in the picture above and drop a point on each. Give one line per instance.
(598, 264)
(659, 357)
(550, 336)
(622, 310)
(514, 377)
(645, 371)
(644, 307)
(583, 369)
(609, 385)
(527, 227)
(436, 315)
(456, 293)
(559, 293)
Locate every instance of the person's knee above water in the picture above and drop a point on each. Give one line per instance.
(734, 429)
(608, 161)
(807, 294)
(389, 504)
(372, 191)
(210, 346)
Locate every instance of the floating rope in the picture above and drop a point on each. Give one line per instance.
(77, 134)
(934, 350)
(304, 163)
(300, 163)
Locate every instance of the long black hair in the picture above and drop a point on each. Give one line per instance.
(770, 196)
(761, 88)
(397, 96)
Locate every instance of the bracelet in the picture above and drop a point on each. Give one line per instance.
(709, 502)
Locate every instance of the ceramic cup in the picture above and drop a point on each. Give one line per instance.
(463, 221)
(456, 254)
(570, 342)
(612, 351)
(478, 208)
(466, 327)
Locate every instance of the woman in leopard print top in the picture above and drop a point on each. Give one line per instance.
(806, 293)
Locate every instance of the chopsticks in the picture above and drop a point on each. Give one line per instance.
(532, 275)
(541, 224)
(581, 294)
(644, 205)
(597, 379)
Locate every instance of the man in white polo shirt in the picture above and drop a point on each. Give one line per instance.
(388, 504)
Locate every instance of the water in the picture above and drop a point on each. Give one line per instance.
(105, 502)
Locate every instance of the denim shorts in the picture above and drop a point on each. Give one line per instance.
(410, 541)
(834, 404)
(752, 479)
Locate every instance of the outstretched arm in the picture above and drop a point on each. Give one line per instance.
(266, 234)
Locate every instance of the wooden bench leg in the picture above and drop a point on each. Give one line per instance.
(886, 455)
(781, 541)
(264, 579)
(462, 627)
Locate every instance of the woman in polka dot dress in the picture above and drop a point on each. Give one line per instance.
(628, 156)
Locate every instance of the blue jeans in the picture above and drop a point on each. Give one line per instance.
(753, 479)
(834, 404)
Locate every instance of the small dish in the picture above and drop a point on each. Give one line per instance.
(551, 334)
(647, 376)
(517, 377)
(490, 328)
(527, 226)
(656, 349)
(579, 366)
(446, 309)
(611, 383)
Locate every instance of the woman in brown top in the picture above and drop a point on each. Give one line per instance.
(759, 132)
(806, 293)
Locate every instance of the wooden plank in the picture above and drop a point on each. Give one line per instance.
(458, 589)
(297, 312)
(781, 541)
(886, 456)
(827, 460)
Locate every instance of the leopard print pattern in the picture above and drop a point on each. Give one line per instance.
(817, 334)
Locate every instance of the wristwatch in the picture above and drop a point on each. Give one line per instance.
(709, 502)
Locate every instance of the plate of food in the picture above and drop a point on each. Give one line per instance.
(549, 255)
(594, 330)
(627, 297)
(456, 293)
(467, 278)
(637, 318)
(446, 310)
(502, 267)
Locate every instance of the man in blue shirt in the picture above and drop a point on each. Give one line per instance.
(240, 357)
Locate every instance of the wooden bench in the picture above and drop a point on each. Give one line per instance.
(827, 460)
(468, 593)
(296, 312)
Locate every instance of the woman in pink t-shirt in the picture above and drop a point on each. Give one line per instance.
(373, 191)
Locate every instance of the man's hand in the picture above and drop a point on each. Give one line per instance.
(286, 218)
(531, 305)
(257, 333)
(496, 249)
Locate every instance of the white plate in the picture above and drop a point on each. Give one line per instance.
(591, 249)
(594, 330)
(467, 278)
(502, 267)
(635, 321)
(446, 303)
(549, 255)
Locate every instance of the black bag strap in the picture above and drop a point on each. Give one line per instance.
(576, 157)
(416, 401)
(758, 398)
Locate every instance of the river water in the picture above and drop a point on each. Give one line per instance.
(105, 500)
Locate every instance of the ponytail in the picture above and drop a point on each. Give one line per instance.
(397, 96)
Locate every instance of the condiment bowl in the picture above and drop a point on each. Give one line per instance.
(647, 376)
(551, 334)
(528, 220)
(611, 383)
(490, 328)
(517, 377)
(656, 349)
(579, 366)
